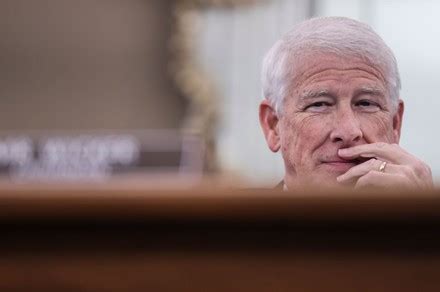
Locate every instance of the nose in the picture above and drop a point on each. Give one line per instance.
(347, 128)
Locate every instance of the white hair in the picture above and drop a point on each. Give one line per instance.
(337, 35)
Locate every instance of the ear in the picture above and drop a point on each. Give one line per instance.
(397, 120)
(269, 123)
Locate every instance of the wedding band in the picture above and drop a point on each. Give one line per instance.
(382, 166)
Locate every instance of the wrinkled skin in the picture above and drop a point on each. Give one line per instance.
(339, 103)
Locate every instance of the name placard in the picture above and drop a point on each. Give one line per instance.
(96, 155)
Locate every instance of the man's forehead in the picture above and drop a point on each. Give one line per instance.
(330, 64)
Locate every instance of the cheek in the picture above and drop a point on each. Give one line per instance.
(378, 128)
(302, 135)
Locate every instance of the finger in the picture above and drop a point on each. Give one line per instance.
(383, 180)
(359, 170)
(371, 165)
(381, 151)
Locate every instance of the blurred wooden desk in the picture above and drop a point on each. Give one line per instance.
(108, 239)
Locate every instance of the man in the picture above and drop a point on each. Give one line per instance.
(331, 106)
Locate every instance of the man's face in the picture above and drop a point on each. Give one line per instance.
(334, 103)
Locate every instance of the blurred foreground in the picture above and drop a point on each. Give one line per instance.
(213, 239)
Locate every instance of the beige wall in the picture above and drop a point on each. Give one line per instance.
(86, 64)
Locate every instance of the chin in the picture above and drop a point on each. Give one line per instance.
(325, 179)
(323, 176)
(336, 168)
(327, 184)
(317, 181)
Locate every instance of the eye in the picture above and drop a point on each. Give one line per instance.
(368, 105)
(318, 106)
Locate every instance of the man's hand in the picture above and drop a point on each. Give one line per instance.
(402, 169)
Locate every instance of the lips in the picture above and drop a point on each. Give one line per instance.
(339, 165)
(344, 161)
(360, 160)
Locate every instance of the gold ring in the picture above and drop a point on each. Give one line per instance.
(382, 166)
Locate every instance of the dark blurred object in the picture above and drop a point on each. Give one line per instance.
(114, 240)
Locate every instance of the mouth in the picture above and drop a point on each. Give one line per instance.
(355, 161)
(344, 161)
(341, 165)
(358, 160)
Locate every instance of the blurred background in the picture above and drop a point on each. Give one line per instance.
(144, 89)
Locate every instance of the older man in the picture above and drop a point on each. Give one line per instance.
(331, 105)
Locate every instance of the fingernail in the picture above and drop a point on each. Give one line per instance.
(340, 178)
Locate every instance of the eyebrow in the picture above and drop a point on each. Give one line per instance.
(370, 90)
(315, 94)
(376, 91)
